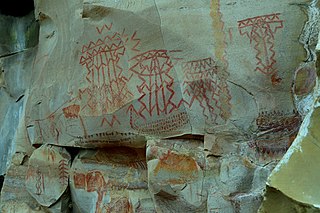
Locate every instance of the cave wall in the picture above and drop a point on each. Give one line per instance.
(158, 106)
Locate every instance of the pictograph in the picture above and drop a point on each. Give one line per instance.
(63, 171)
(105, 61)
(203, 84)
(276, 132)
(106, 77)
(261, 31)
(156, 84)
(39, 182)
(93, 181)
(71, 111)
(110, 123)
(157, 90)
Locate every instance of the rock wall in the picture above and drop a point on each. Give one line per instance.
(159, 106)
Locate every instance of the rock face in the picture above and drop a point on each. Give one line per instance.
(111, 180)
(48, 166)
(159, 106)
(176, 175)
(18, 38)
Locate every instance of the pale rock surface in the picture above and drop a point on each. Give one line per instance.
(15, 74)
(128, 59)
(235, 182)
(14, 195)
(47, 176)
(111, 180)
(18, 36)
(159, 106)
(176, 175)
(295, 179)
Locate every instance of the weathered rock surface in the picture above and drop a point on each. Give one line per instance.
(111, 180)
(126, 76)
(14, 195)
(176, 175)
(160, 106)
(294, 180)
(48, 166)
(15, 78)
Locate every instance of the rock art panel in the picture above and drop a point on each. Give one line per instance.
(260, 30)
(48, 174)
(299, 163)
(14, 195)
(103, 60)
(158, 98)
(110, 180)
(305, 80)
(206, 85)
(176, 175)
(276, 132)
(256, 39)
(122, 70)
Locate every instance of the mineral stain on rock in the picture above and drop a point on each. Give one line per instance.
(119, 106)
(183, 168)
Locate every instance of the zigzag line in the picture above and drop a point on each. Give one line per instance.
(171, 90)
(134, 48)
(212, 109)
(273, 54)
(104, 27)
(143, 107)
(271, 59)
(268, 37)
(63, 171)
(224, 60)
(258, 51)
(113, 120)
(224, 45)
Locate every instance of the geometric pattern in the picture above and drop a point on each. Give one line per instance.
(261, 31)
(103, 59)
(203, 85)
(156, 84)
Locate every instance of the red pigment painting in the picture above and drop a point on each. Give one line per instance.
(39, 182)
(156, 87)
(63, 172)
(93, 181)
(206, 86)
(106, 79)
(114, 120)
(261, 31)
(276, 132)
(71, 111)
(103, 60)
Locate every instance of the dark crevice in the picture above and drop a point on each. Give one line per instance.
(1, 182)
(188, 136)
(16, 8)
(9, 54)
(36, 145)
(21, 96)
(73, 151)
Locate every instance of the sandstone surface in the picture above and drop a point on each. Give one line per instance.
(160, 106)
